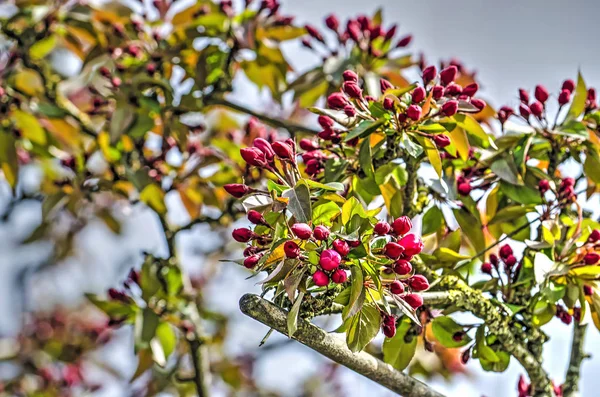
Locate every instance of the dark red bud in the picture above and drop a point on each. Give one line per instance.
(283, 150)
(448, 75)
(403, 42)
(382, 228)
(568, 85)
(594, 236)
(471, 89)
(291, 249)
(321, 233)
(320, 278)
(429, 74)
(591, 258)
(256, 217)
(242, 235)
(418, 283)
(385, 85)
(393, 250)
(524, 111)
(337, 101)
(388, 103)
(505, 251)
(486, 268)
(564, 97)
(437, 92)
(251, 261)
(414, 112)
(402, 267)
(308, 145)
(302, 231)
(441, 140)
(396, 287)
(332, 22)
(541, 93)
(523, 96)
(450, 108)
(418, 95)
(325, 122)
(339, 276)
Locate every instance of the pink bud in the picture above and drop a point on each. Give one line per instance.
(388, 103)
(591, 258)
(464, 188)
(283, 150)
(382, 228)
(337, 101)
(524, 111)
(414, 300)
(414, 112)
(339, 276)
(441, 140)
(450, 108)
(396, 287)
(543, 186)
(308, 144)
(349, 110)
(237, 190)
(332, 22)
(302, 231)
(418, 283)
(291, 249)
(505, 251)
(541, 93)
(437, 92)
(537, 109)
(314, 33)
(349, 75)
(564, 97)
(385, 85)
(242, 235)
(402, 267)
(453, 89)
(352, 89)
(478, 103)
(264, 146)
(251, 261)
(393, 250)
(390, 33)
(523, 96)
(329, 260)
(429, 74)
(486, 268)
(320, 278)
(471, 89)
(404, 41)
(402, 225)
(448, 75)
(594, 236)
(341, 247)
(418, 95)
(568, 85)
(325, 122)
(412, 244)
(256, 217)
(321, 233)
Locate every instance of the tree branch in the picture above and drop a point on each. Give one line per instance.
(571, 385)
(335, 348)
(201, 366)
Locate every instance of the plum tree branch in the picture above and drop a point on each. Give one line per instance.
(571, 385)
(335, 348)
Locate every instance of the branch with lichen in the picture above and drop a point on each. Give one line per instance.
(571, 385)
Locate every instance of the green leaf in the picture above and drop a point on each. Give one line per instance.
(433, 155)
(445, 328)
(331, 186)
(324, 214)
(579, 99)
(521, 194)
(399, 350)
(357, 293)
(122, 119)
(8, 158)
(42, 47)
(299, 202)
(508, 214)
(473, 128)
(591, 166)
(507, 171)
(447, 255)
(459, 138)
(352, 207)
(363, 327)
(432, 220)
(471, 227)
(483, 351)
(364, 158)
(154, 197)
(167, 338)
(30, 127)
(145, 327)
(292, 318)
(364, 128)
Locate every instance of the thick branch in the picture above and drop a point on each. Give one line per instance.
(201, 367)
(335, 348)
(273, 122)
(571, 385)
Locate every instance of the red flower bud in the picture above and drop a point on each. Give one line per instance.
(537, 109)
(393, 250)
(464, 188)
(591, 258)
(302, 231)
(402, 267)
(314, 33)
(471, 89)
(429, 74)
(591, 95)
(337, 101)
(283, 150)
(350, 76)
(104, 72)
(389, 330)
(541, 93)
(390, 33)
(242, 235)
(382, 228)
(453, 89)
(396, 287)
(594, 236)
(320, 278)
(494, 259)
(523, 96)
(329, 260)
(388, 103)
(349, 110)
(264, 146)
(505, 251)
(254, 156)
(418, 95)
(321, 233)
(237, 190)
(437, 92)
(418, 282)
(313, 167)
(352, 89)
(308, 145)
(332, 22)
(568, 85)
(448, 75)
(325, 122)
(543, 186)
(256, 217)
(478, 103)
(441, 140)
(385, 85)
(404, 41)
(524, 111)
(412, 244)
(510, 261)
(341, 247)
(564, 97)
(414, 112)
(588, 290)
(414, 300)
(450, 108)
(251, 261)
(339, 276)
(291, 249)
(402, 225)
(486, 268)
(465, 356)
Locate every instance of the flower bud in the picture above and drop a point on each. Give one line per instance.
(256, 218)
(418, 95)
(321, 233)
(382, 228)
(510, 261)
(414, 112)
(465, 356)
(329, 260)
(313, 167)
(453, 89)
(524, 111)
(396, 287)
(450, 108)
(308, 144)
(448, 75)
(403, 42)
(543, 186)
(402, 225)
(237, 190)
(339, 276)
(412, 244)
(568, 85)
(471, 89)
(242, 235)
(564, 97)
(254, 156)
(523, 96)
(352, 89)
(591, 258)
(464, 188)
(588, 290)
(325, 122)
(478, 103)
(314, 33)
(418, 283)
(320, 278)
(350, 76)
(594, 236)
(390, 33)
(349, 110)
(429, 74)
(341, 247)
(388, 103)
(332, 22)
(505, 251)
(437, 92)
(393, 250)
(441, 140)
(251, 261)
(402, 267)
(337, 101)
(302, 231)
(486, 268)
(541, 93)
(385, 85)
(414, 300)
(291, 249)
(283, 150)
(389, 330)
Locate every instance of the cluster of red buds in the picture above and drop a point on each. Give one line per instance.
(464, 182)
(563, 314)
(524, 389)
(363, 33)
(506, 257)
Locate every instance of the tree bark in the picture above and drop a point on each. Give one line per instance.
(571, 387)
(335, 348)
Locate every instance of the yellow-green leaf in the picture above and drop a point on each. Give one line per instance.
(578, 104)
(43, 47)
(154, 197)
(30, 127)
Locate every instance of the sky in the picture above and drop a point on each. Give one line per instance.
(511, 44)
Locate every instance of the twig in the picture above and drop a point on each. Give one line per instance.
(571, 385)
(335, 348)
